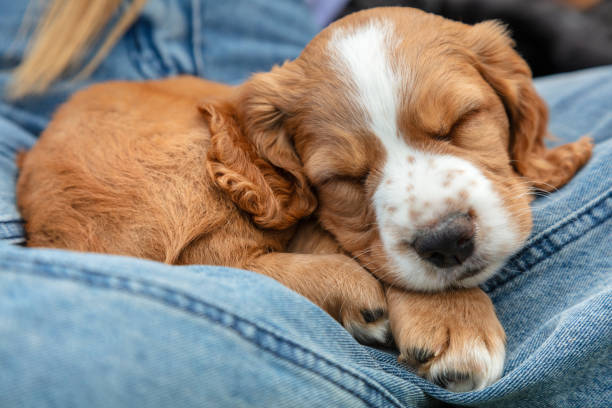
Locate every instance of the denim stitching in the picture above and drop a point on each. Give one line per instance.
(570, 218)
(527, 258)
(199, 308)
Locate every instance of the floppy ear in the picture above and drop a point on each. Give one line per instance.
(510, 76)
(262, 106)
(276, 197)
(266, 103)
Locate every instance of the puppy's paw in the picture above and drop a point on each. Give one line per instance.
(456, 359)
(452, 339)
(368, 326)
(363, 308)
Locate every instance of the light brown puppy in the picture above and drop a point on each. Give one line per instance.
(420, 138)
(134, 169)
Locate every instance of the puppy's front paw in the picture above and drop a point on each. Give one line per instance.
(363, 308)
(368, 326)
(452, 339)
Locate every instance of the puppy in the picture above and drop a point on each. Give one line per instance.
(416, 139)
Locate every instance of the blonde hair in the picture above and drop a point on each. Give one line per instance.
(61, 38)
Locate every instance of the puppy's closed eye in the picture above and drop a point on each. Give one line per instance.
(446, 133)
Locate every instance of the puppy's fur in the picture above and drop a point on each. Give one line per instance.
(393, 117)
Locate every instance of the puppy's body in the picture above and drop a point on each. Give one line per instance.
(122, 170)
(420, 136)
(129, 162)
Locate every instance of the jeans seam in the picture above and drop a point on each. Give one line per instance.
(11, 231)
(197, 40)
(199, 308)
(545, 246)
(594, 203)
(144, 54)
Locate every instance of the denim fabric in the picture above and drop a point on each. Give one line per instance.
(106, 331)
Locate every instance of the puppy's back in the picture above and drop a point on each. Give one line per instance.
(121, 169)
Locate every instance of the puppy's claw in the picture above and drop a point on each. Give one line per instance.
(455, 381)
(372, 326)
(416, 356)
(466, 364)
(371, 316)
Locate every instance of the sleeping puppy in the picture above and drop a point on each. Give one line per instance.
(416, 139)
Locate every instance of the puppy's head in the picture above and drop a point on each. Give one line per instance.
(422, 138)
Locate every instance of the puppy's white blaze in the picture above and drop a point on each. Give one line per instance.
(363, 54)
(361, 57)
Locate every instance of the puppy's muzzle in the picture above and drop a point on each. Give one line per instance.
(448, 243)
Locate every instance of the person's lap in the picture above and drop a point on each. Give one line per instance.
(85, 329)
(99, 329)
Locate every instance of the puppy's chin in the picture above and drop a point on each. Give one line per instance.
(419, 276)
(480, 277)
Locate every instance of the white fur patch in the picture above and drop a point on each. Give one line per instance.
(483, 366)
(439, 185)
(418, 187)
(364, 54)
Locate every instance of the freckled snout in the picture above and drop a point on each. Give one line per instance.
(448, 243)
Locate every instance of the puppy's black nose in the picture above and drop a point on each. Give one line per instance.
(448, 243)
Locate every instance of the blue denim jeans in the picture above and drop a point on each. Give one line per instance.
(106, 331)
